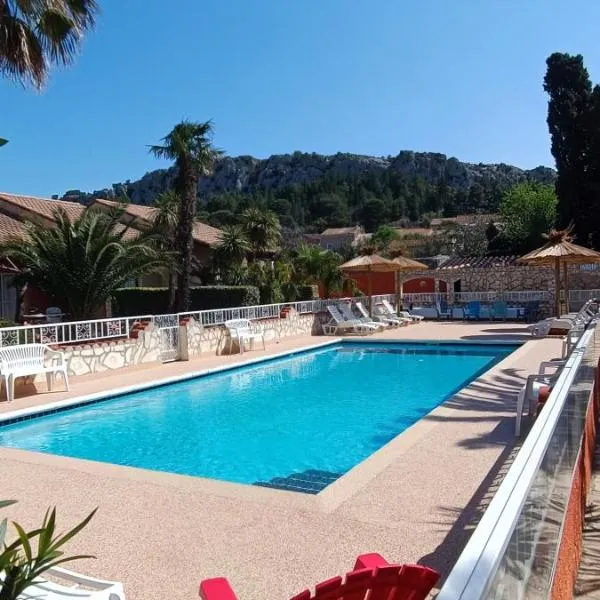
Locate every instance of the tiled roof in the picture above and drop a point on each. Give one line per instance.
(478, 262)
(10, 228)
(203, 233)
(340, 231)
(466, 219)
(402, 231)
(42, 207)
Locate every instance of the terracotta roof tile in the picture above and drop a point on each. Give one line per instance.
(203, 233)
(42, 207)
(10, 228)
(478, 262)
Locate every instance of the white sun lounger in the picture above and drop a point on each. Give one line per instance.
(79, 587)
(338, 324)
(350, 316)
(364, 318)
(381, 315)
(403, 314)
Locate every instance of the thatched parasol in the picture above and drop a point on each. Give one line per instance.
(406, 265)
(558, 250)
(369, 264)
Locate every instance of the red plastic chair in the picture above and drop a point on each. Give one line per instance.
(371, 573)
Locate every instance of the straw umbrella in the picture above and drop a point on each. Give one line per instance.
(369, 264)
(405, 265)
(559, 250)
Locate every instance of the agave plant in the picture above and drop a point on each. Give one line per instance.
(32, 553)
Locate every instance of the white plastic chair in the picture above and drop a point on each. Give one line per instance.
(54, 314)
(242, 331)
(530, 392)
(31, 359)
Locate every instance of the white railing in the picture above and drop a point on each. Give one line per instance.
(69, 332)
(104, 329)
(498, 561)
(583, 295)
(432, 298)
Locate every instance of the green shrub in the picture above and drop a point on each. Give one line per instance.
(155, 301)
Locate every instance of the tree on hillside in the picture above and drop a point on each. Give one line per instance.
(383, 237)
(527, 212)
(571, 124)
(80, 263)
(37, 34)
(165, 226)
(190, 145)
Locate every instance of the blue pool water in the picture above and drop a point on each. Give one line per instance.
(295, 423)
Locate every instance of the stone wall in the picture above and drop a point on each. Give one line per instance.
(194, 339)
(107, 356)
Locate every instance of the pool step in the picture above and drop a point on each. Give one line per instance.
(311, 481)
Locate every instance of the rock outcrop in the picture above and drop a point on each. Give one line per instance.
(244, 173)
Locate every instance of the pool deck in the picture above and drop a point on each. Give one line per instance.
(415, 500)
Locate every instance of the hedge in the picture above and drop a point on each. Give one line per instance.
(127, 302)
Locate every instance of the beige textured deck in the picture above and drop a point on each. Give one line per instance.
(416, 500)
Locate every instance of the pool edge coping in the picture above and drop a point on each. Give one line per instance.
(326, 501)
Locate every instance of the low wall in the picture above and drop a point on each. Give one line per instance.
(194, 339)
(110, 355)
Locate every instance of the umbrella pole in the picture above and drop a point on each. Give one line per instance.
(566, 286)
(398, 290)
(370, 280)
(557, 285)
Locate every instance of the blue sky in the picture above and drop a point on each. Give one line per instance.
(462, 77)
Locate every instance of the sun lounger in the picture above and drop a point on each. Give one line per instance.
(377, 318)
(363, 318)
(79, 587)
(339, 325)
(372, 577)
(402, 314)
(381, 315)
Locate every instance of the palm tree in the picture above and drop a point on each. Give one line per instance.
(37, 34)
(234, 245)
(263, 230)
(80, 263)
(165, 227)
(316, 266)
(190, 146)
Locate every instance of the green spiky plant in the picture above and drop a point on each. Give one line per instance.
(80, 262)
(32, 553)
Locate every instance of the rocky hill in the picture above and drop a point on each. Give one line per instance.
(245, 174)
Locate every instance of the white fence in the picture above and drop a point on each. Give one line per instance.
(71, 332)
(463, 297)
(106, 329)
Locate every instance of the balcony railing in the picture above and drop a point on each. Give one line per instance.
(513, 552)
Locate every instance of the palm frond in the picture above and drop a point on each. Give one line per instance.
(79, 263)
(37, 34)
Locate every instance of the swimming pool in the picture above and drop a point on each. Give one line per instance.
(297, 422)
